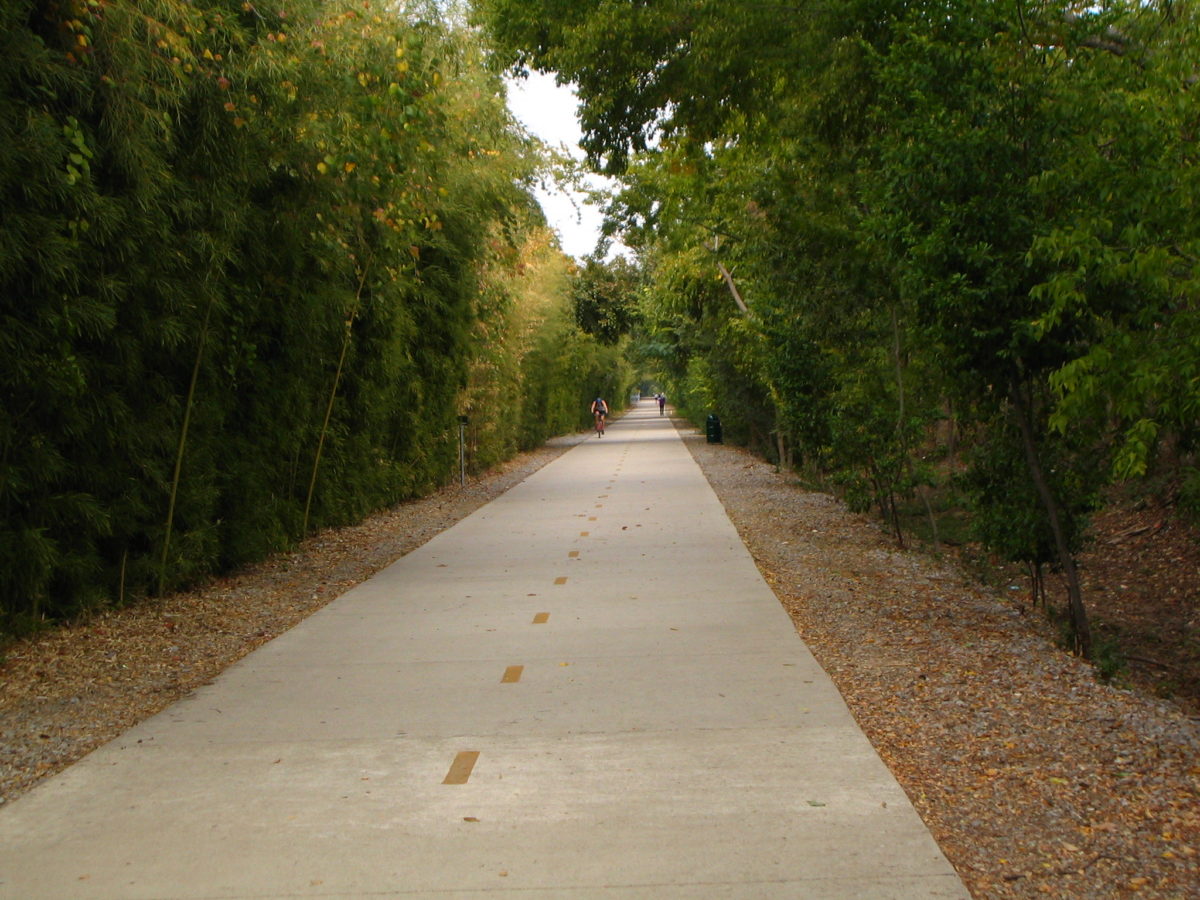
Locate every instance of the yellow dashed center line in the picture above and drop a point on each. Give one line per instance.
(541, 618)
(460, 769)
(512, 674)
(561, 579)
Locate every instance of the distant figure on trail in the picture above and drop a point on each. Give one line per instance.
(662, 403)
(599, 413)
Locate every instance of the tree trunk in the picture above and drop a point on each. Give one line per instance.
(1037, 585)
(1022, 409)
(951, 436)
(902, 433)
(885, 497)
(896, 519)
(899, 374)
(933, 526)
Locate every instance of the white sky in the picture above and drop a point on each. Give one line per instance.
(549, 111)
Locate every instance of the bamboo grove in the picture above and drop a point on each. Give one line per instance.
(255, 261)
(919, 248)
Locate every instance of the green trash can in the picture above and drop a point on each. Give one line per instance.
(713, 428)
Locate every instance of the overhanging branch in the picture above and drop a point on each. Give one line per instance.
(737, 297)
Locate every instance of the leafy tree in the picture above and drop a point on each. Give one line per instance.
(1120, 245)
(885, 182)
(606, 297)
(996, 128)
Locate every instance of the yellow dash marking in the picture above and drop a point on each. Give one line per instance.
(573, 554)
(541, 618)
(512, 674)
(591, 518)
(460, 769)
(584, 533)
(561, 579)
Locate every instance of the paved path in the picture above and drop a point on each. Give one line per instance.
(583, 690)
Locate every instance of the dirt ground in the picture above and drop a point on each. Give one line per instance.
(1035, 778)
(1141, 577)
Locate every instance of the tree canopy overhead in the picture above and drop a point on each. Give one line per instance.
(662, 69)
(860, 219)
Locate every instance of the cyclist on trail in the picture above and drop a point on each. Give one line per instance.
(600, 413)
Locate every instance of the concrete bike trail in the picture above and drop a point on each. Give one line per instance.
(583, 690)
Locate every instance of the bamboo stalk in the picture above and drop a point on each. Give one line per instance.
(121, 587)
(337, 378)
(183, 432)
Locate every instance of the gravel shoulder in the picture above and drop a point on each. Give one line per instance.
(1035, 779)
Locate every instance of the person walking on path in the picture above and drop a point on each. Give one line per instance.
(662, 403)
(599, 413)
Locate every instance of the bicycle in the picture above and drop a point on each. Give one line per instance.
(599, 412)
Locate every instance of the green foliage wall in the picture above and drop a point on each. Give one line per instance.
(246, 260)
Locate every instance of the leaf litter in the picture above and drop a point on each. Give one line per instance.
(1035, 778)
